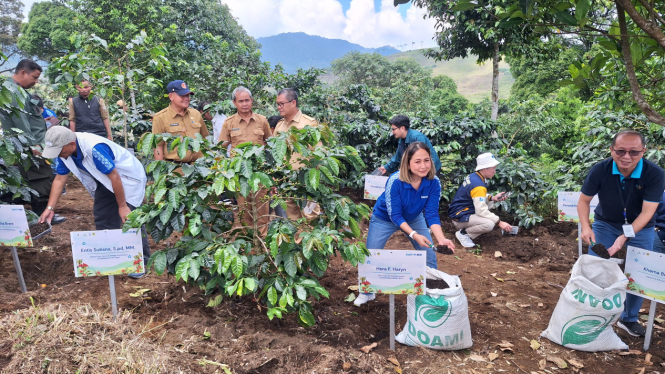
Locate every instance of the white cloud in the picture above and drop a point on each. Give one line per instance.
(361, 24)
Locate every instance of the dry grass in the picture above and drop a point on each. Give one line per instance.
(78, 339)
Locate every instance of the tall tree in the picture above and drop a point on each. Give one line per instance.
(11, 16)
(47, 32)
(465, 27)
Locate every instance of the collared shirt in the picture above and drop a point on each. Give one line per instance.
(412, 136)
(103, 110)
(236, 130)
(169, 121)
(645, 183)
(400, 202)
(472, 198)
(102, 155)
(299, 121)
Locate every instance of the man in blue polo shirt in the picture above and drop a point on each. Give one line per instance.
(629, 189)
(400, 126)
(110, 173)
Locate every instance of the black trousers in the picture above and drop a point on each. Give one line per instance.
(105, 210)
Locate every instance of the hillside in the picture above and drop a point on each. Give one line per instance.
(299, 50)
(473, 81)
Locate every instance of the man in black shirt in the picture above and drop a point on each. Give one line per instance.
(629, 189)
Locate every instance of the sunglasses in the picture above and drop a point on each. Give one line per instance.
(622, 152)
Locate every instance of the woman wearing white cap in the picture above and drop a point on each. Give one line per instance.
(470, 208)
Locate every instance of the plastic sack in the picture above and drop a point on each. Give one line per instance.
(439, 319)
(589, 305)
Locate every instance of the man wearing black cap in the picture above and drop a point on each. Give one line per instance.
(178, 119)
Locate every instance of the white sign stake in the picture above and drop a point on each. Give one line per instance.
(114, 302)
(19, 272)
(392, 322)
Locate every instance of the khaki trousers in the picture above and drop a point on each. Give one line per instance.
(476, 226)
(246, 209)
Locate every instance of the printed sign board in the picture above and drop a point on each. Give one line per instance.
(107, 252)
(374, 186)
(645, 271)
(14, 231)
(393, 272)
(568, 206)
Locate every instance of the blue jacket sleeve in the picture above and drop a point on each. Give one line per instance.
(393, 200)
(431, 211)
(394, 162)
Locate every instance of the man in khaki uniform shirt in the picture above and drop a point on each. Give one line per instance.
(247, 126)
(178, 119)
(287, 105)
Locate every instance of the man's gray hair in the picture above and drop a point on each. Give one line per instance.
(290, 94)
(241, 89)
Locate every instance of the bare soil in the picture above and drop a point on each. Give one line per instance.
(511, 296)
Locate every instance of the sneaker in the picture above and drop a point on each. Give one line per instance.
(632, 328)
(136, 275)
(57, 219)
(363, 298)
(465, 240)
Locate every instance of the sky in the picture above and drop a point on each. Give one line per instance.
(370, 23)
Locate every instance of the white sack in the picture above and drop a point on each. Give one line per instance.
(440, 319)
(588, 307)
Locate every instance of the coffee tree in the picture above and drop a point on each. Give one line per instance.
(227, 259)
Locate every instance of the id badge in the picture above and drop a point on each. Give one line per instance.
(628, 231)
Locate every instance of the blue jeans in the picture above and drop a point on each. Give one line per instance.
(606, 234)
(658, 245)
(380, 231)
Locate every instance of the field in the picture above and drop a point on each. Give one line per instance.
(64, 324)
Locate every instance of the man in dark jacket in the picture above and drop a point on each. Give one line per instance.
(400, 126)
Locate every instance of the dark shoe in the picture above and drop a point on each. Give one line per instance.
(136, 275)
(57, 219)
(632, 328)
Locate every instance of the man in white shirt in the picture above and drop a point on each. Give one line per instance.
(217, 120)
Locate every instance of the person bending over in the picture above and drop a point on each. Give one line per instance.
(409, 203)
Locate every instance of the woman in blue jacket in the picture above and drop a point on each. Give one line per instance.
(409, 203)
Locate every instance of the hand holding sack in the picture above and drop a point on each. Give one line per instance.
(589, 305)
(440, 319)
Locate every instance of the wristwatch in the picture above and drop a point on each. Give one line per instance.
(412, 234)
(49, 207)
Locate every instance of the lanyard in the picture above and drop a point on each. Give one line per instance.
(624, 202)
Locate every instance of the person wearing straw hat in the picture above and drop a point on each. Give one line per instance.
(470, 208)
(110, 173)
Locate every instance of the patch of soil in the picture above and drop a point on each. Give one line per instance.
(444, 250)
(38, 228)
(511, 298)
(437, 284)
(601, 251)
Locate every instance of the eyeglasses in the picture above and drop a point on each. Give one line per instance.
(279, 105)
(622, 152)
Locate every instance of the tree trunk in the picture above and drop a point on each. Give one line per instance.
(641, 102)
(495, 82)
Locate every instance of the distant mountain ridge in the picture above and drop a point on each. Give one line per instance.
(297, 50)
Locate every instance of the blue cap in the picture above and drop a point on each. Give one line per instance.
(179, 87)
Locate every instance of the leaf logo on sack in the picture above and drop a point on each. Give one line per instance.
(432, 312)
(584, 329)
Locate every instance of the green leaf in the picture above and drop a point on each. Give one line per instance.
(146, 144)
(355, 229)
(160, 193)
(279, 151)
(306, 318)
(272, 295)
(314, 178)
(215, 301)
(246, 168)
(264, 179)
(182, 147)
(182, 269)
(282, 300)
(165, 215)
(350, 298)
(301, 293)
(565, 17)
(237, 266)
(581, 9)
(464, 5)
(250, 284)
(159, 262)
(194, 268)
(290, 265)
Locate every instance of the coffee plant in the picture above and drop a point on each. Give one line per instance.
(225, 258)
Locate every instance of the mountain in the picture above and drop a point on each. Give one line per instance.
(296, 50)
(473, 81)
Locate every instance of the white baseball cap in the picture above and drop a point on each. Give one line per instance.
(57, 137)
(486, 160)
